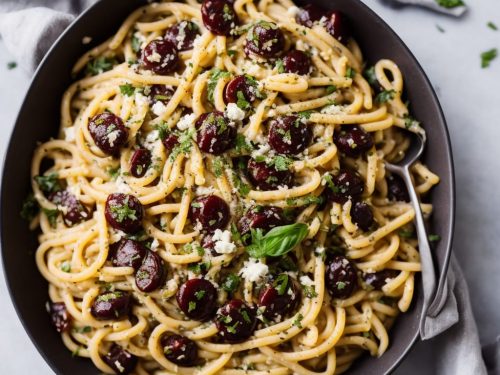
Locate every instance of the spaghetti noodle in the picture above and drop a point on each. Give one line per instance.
(217, 202)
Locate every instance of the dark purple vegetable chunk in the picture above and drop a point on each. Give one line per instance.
(219, 16)
(197, 298)
(362, 215)
(215, 133)
(235, 321)
(338, 26)
(289, 135)
(108, 132)
(124, 212)
(211, 212)
(240, 84)
(128, 253)
(111, 305)
(344, 186)
(352, 140)
(266, 177)
(397, 190)
(160, 56)
(140, 162)
(377, 280)
(280, 298)
(120, 360)
(340, 277)
(297, 62)
(151, 273)
(309, 14)
(183, 34)
(261, 217)
(180, 350)
(265, 39)
(59, 316)
(160, 93)
(73, 210)
(170, 141)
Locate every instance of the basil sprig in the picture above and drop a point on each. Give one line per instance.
(278, 241)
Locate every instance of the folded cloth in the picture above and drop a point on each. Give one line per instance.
(452, 334)
(456, 11)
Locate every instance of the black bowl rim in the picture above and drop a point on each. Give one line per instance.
(441, 273)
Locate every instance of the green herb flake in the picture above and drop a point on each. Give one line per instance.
(127, 89)
(214, 76)
(218, 166)
(278, 241)
(29, 208)
(192, 306)
(123, 211)
(11, 65)
(371, 76)
(231, 283)
(488, 56)
(100, 65)
(309, 291)
(298, 321)
(199, 294)
(245, 316)
(350, 73)
(331, 89)
(406, 233)
(492, 26)
(242, 145)
(280, 67)
(51, 216)
(440, 29)
(185, 140)
(340, 285)
(242, 102)
(49, 184)
(279, 162)
(385, 96)
(281, 284)
(231, 52)
(434, 237)
(450, 3)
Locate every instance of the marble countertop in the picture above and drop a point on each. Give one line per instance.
(471, 102)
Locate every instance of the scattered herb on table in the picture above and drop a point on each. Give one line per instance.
(487, 57)
(450, 3)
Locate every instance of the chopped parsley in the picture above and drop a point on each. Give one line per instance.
(136, 43)
(84, 329)
(242, 144)
(281, 284)
(51, 216)
(127, 89)
(371, 76)
(487, 57)
(218, 166)
(231, 283)
(309, 291)
(123, 211)
(304, 115)
(11, 65)
(162, 129)
(232, 329)
(385, 96)
(329, 182)
(214, 76)
(331, 89)
(49, 184)
(440, 29)
(184, 145)
(192, 306)
(242, 187)
(280, 162)
(199, 294)
(242, 102)
(199, 267)
(245, 316)
(298, 320)
(411, 122)
(492, 26)
(231, 53)
(305, 201)
(100, 65)
(350, 72)
(340, 285)
(280, 66)
(114, 172)
(29, 208)
(434, 237)
(450, 3)
(406, 233)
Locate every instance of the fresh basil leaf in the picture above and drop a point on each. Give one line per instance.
(278, 241)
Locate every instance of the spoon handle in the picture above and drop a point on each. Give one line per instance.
(428, 272)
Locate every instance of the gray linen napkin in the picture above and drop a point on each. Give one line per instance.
(452, 334)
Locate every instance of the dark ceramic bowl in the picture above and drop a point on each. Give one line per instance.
(38, 120)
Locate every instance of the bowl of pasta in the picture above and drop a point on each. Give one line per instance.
(203, 190)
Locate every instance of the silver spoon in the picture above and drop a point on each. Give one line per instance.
(402, 169)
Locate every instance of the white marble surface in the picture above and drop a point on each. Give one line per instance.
(471, 101)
